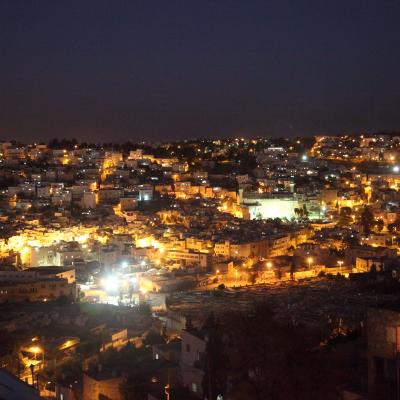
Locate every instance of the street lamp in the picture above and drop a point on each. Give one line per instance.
(32, 367)
(309, 260)
(35, 350)
(340, 266)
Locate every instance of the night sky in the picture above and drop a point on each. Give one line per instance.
(150, 70)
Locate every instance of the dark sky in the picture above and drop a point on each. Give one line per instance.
(117, 70)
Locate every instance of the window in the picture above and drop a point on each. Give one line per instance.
(157, 357)
(194, 387)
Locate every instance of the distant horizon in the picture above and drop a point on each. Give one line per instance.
(208, 138)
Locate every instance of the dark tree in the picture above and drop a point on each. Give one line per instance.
(271, 360)
(153, 337)
(367, 220)
(216, 360)
(379, 225)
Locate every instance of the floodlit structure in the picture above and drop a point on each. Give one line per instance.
(264, 206)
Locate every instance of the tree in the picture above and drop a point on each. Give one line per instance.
(216, 359)
(273, 360)
(292, 269)
(67, 371)
(345, 211)
(379, 225)
(135, 385)
(367, 220)
(152, 338)
(351, 240)
(221, 286)
(373, 273)
(305, 211)
(345, 216)
(395, 226)
(252, 277)
(143, 309)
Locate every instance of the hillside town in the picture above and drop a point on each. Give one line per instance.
(222, 269)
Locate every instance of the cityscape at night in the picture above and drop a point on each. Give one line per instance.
(201, 268)
(199, 200)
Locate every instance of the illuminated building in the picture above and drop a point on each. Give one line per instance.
(145, 192)
(190, 258)
(263, 207)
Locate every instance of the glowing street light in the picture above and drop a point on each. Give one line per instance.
(340, 266)
(110, 283)
(35, 350)
(309, 260)
(269, 264)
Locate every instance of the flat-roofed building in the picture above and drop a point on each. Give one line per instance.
(36, 289)
(190, 258)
